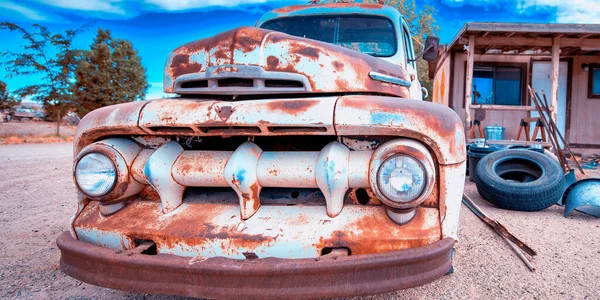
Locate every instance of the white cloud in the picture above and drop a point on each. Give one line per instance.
(107, 6)
(582, 11)
(26, 12)
(174, 5)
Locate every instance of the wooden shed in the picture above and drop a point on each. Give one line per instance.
(485, 71)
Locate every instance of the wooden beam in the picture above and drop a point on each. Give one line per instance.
(554, 75)
(538, 42)
(469, 79)
(510, 34)
(485, 34)
(586, 36)
(504, 107)
(514, 142)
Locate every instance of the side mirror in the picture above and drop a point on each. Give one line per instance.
(432, 43)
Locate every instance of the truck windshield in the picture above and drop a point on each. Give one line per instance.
(370, 35)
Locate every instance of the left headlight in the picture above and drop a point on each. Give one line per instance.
(95, 174)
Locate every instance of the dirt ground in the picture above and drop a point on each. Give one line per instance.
(38, 198)
(34, 132)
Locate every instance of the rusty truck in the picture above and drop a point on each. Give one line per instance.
(297, 161)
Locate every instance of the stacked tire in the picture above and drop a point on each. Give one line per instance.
(519, 179)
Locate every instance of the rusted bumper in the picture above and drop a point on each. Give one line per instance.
(258, 278)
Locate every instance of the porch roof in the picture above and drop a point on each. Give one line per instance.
(528, 38)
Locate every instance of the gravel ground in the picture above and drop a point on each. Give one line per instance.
(38, 198)
(34, 128)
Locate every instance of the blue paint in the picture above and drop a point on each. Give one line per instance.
(330, 174)
(147, 171)
(240, 175)
(381, 117)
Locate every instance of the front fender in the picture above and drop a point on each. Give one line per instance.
(435, 125)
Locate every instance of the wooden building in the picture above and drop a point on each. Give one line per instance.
(485, 71)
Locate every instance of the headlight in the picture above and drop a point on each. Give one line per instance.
(95, 174)
(401, 178)
(402, 174)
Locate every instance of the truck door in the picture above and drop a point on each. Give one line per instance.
(410, 63)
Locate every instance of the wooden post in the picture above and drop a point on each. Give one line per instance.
(469, 78)
(554, 75)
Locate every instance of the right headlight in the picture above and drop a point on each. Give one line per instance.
(95, 174)
(401, 178)
(402, 174)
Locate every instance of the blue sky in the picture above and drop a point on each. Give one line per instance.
(156, 27)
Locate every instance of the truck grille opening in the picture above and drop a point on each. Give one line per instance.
(235, 82)
(266, 143)
(231, 130)
(171, 130)
(275, 83)
(195, 84)
(284, 129)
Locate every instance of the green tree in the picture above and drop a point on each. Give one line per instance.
(7, 101)
(422, 23)
(50, 56)
(110, 73)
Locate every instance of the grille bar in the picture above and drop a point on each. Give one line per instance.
(333, 170)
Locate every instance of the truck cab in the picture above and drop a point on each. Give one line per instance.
(379, 31)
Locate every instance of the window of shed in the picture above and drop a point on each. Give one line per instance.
(497, 85)
(594, 81)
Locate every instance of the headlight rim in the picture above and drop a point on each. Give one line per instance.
(380, 169)
(112, 187)
(407, 147)
(122, 179)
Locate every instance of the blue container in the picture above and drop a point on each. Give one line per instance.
(494, 132)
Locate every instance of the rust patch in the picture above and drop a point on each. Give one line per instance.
(292, 107)
(272, 62)
(293, 8)
(377, 233)
(181, 65)
(310, 52)
(341, 84)
(338, 65)
(249, 39)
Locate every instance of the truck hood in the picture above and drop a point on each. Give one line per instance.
(435, 125)
(250, 60)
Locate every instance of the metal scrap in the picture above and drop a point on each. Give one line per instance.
(512, 241)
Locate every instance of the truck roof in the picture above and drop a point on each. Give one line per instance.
(331, 9)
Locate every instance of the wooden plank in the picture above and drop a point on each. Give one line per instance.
(554, 75)
(469, 80)
(513, 142)
(504, 107)
(537, 42)
(533, 27)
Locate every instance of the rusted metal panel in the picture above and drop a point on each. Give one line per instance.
(157, 171)
(332, 174)
(435, 125)
(297, 231)
(327, 67)
(241, 175)
(329, 8)
(201, 168)
(200, 117)
(325, 277)
(120, 119)
(451, 185)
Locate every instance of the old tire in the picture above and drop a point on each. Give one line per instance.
(520, 180)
